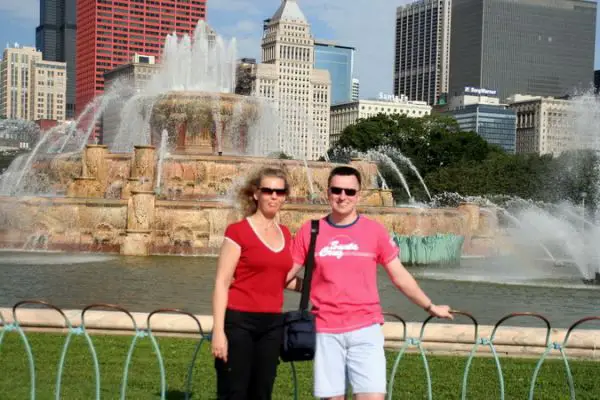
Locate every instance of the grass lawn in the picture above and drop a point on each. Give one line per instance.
(144, 382)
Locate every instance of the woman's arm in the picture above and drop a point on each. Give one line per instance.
(228, 259)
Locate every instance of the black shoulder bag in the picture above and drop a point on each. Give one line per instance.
(299, 331)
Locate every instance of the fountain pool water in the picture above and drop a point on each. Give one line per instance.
(479, 286)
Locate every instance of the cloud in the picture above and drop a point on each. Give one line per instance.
(247, 6)
(25, 10)
(369, 26)
(247, 34)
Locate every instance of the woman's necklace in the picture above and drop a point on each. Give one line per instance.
(266, 227)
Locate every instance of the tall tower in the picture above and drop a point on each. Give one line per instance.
(55, 37)
(301, 93)
(110, 35)
(542, 47)
(422, 55)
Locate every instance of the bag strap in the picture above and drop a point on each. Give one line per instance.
(309, 264)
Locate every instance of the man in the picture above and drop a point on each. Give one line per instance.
(344, 293)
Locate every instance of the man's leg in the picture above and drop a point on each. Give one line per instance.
(330, 366)
(366, 363)
(233, 376)
(264, 365)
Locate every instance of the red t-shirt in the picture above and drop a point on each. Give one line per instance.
(259, 277)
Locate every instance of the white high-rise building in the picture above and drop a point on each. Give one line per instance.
(301, 93)
(32, 89)
(422, 55)
(355, 89)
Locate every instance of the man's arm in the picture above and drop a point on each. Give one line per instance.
(405, 282)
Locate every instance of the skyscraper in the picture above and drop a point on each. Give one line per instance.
(288, 78)
(339, 61)
(355, 89)
(536, 47)
(422, 55)
(109, 35)
(55, 38)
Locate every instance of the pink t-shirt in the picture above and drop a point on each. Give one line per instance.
(344, 291)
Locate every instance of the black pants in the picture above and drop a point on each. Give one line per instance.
(254, 341)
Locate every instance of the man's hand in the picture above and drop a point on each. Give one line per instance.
(441, 311)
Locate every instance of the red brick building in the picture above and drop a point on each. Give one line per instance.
(110, 32)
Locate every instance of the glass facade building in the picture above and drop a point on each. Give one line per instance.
(339, 61)
(494, 123)
(536, 47)
(55, 37)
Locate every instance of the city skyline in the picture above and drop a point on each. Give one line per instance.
(243, 19)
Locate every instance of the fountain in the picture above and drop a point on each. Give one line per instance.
(566, 239)
(163, 184)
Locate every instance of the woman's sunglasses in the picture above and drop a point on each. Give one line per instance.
(338, 190)
(270, 191)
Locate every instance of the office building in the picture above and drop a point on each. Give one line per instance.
(547, 125)
(339, 61)
(55, 37)
(479, 110)
(422, 52)
(110, 33)
(244, 76)
(16, 135)
(597, 80)
(345, 114)
(355, 89)
(538, 47)
(288, 79)
(32, 89)
(135, 75)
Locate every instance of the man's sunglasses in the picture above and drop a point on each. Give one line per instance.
(338, 190)
(270, 191)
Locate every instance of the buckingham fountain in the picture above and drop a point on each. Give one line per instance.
(165, 185)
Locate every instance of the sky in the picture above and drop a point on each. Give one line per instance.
(367, 25)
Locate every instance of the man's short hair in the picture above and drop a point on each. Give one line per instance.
(344, 170)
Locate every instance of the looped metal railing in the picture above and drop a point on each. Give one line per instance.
(163, 385)
(138, 333)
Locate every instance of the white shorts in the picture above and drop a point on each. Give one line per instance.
(357, 356)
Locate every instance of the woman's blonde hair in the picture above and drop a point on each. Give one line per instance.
(246, 194)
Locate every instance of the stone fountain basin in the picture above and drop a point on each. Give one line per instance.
(82, 223)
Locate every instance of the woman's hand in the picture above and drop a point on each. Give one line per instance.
(219, 345)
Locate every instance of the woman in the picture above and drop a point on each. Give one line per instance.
(253, 264)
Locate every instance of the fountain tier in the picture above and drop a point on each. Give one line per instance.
(205, 123)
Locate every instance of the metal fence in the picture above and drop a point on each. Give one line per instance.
(146, 334)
